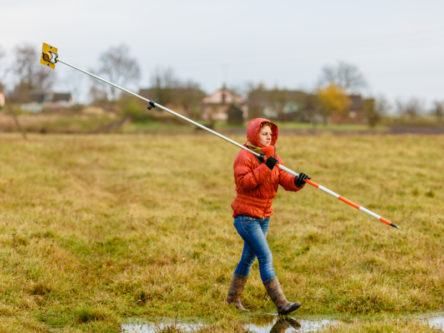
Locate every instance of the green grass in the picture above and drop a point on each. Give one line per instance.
(95, 230)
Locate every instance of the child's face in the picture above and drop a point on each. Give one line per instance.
(265, 136)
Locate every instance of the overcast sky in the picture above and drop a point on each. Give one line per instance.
(397, 44)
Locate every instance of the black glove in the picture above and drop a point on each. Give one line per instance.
(271, 162)
(299, 181)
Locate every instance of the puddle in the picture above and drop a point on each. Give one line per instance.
(155, 328)
(261, 324)
(270, 324)
(289, 325)
(436, 322)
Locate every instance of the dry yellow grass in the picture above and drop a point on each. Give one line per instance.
(98, 229)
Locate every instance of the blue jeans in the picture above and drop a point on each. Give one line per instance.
(254, 232)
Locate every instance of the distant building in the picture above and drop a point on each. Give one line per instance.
(357, 107)
(2, 99)
(301, 106)
(281, 104)
(356, 112)
(37, 101)
(218, 105)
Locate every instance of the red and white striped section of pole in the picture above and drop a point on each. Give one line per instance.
(343, 199)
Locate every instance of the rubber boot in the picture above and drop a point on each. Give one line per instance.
(235, 291)
(276, 294)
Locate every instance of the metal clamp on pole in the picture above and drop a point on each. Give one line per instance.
(151, 105)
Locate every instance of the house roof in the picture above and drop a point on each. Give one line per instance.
(41, 97)
(61, 97)
(357, 102)
(223, 96)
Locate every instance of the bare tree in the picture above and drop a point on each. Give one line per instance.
(383, 106)
(168, 89)
(345, 75)
(97, 93)
(119, 67)
(2, 52)
(410, 108)
(375, 109)
(164, 78)
(438, 110)
(162, 82)
(3, 69)
(29, 73)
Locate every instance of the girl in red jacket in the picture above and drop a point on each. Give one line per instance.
(257, 181)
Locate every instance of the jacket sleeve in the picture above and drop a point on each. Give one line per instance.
(247, 175)
(286, 180)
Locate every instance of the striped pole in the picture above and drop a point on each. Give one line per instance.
(343, 199)
(50, 58)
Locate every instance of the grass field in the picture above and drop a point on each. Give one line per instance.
(96, 230)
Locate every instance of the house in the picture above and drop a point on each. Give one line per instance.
(281, 104)
(221, 104)
(37, 101)
(356, 112)
(296, 105)
(2, 100)
(358, 106)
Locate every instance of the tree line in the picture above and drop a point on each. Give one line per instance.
(334, 95)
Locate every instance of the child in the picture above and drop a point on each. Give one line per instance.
(257, 181)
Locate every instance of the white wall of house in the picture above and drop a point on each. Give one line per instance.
(2, 100)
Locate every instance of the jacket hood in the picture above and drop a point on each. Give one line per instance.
(254, 127)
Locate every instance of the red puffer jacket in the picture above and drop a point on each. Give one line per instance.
(256, 184)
